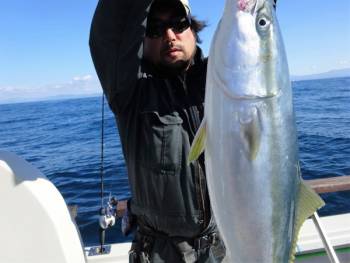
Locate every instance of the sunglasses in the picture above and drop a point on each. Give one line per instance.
(157, 29)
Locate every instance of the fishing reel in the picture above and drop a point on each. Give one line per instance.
(117, 210)
(106, 220)
(107, 214)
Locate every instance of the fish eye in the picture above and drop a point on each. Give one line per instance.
(262, 22)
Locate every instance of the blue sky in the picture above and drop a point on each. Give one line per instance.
(44, 44)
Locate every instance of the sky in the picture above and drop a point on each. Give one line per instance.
(44, 44)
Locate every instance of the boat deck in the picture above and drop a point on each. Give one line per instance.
(309, 249)
(321, 257)
(119, 254)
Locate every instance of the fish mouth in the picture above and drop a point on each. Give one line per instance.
(227, 90)
(229, 94)
(257, 97)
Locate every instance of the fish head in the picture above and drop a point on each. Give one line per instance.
(247, 50)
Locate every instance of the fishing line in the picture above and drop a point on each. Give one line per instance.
(102, 149)
(107, 213)
(101, 230)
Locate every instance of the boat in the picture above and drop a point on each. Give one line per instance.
(36, 224)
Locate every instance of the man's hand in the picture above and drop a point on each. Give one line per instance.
(122, 206)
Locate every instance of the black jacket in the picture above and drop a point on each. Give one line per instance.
(157, 117)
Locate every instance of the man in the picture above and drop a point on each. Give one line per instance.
(153, 75)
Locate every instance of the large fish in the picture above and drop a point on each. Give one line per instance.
(250, 140)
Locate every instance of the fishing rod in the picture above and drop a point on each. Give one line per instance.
(107, 213)
(113, 210)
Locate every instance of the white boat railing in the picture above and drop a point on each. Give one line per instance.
(328, 185)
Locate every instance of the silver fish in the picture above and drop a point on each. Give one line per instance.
(250, 140)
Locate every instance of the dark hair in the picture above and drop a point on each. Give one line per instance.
(197, 26)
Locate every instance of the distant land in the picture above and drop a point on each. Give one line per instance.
(338, 73)
(51, 98)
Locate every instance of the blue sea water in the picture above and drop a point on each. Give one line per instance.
(62, 139)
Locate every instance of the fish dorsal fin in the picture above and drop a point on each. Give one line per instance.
(307, 204)
(198, 143)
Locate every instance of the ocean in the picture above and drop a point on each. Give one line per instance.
(62, 138)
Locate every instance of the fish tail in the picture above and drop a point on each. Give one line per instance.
(308, 202)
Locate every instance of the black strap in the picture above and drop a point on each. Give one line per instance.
(145, 234)
(206, 241)
(141, 248)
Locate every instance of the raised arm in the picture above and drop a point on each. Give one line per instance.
(116, 38)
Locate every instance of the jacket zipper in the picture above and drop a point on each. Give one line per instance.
(194, 120)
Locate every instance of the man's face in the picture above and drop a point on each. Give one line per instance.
(171, 49)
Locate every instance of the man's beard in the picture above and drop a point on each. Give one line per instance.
(173, 68)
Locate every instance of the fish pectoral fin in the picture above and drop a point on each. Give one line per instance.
(308, 203)
(250, 129)
(198, 143)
